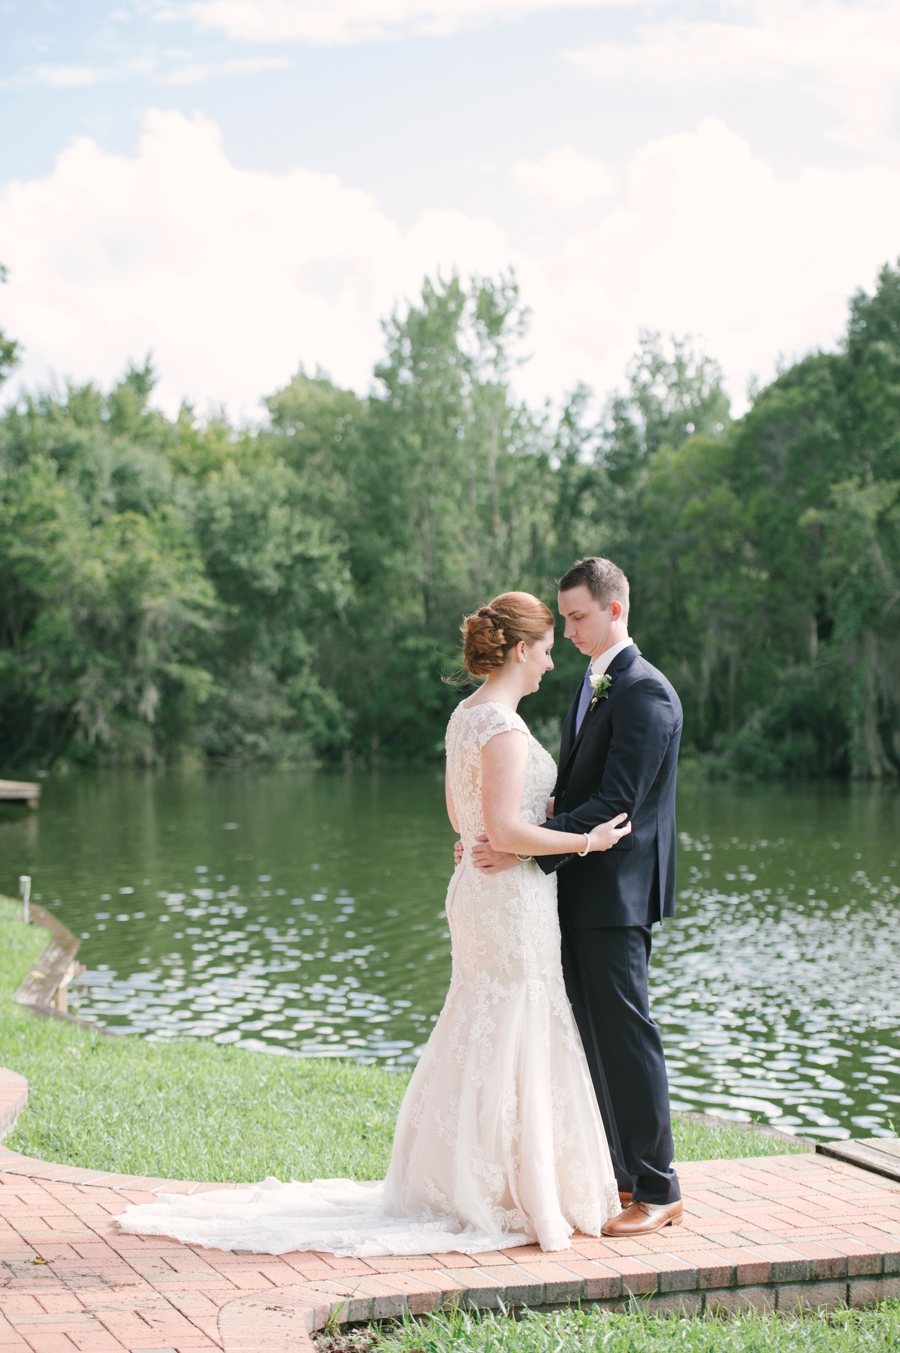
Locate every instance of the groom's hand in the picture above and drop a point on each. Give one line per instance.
(457, 853)
(489, 860)
(551, 804)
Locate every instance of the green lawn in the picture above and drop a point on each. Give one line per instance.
(697, 1140)
(189, 1109)
(593, 1331)
(195, 1110)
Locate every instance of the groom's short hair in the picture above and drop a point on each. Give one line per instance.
(603, 579)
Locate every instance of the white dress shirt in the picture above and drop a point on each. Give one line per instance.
(597, 668)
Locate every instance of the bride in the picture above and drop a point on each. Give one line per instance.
(499, 1140)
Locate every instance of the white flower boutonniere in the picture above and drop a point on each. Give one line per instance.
(600, 685)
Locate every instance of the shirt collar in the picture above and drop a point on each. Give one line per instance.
(600, 665)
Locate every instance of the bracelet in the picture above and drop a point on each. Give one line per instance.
(524, 859)
(587, 846)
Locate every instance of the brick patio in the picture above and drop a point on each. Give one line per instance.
(772, 1232)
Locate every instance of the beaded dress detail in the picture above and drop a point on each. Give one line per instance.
(499, 1140)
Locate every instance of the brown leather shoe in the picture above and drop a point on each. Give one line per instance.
(624, 1198)
(639, 1219)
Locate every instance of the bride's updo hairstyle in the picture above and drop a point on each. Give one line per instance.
(493, 630)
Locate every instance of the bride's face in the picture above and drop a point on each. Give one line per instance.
(537, 661)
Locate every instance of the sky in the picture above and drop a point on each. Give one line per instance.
(242, 186)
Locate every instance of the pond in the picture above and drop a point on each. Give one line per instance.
(302, 913)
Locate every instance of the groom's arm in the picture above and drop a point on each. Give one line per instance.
(643, 723)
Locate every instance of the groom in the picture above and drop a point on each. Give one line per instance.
(619, 753)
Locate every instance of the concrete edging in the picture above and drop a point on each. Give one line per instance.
(13, 1098)
(43, 989)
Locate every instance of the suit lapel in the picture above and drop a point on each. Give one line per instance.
(619, 664)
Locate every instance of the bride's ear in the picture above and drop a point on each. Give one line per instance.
(521, 646)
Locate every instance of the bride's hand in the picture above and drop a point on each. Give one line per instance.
(606, 834)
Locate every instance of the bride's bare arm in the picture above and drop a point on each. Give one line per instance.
(504, 759)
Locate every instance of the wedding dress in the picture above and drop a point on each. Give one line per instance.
(499, 1141)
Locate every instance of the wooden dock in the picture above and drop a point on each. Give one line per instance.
(20, 791)
(881, 1154)
(44, 991)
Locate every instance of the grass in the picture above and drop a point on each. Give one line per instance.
(596, 1331)
(188, 1109)
(196, 1110)
(697, 1139)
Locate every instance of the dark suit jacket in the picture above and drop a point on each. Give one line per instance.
(623, 760)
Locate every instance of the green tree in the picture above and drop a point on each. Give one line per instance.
(450, 504)
(278, 575)
(670, 397)
(768, 563)
(100, 626)
(9, 348)
(293, 591)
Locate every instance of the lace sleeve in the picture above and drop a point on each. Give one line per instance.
(488, 720)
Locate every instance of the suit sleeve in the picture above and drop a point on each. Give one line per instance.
(565, 742)
(643, 723)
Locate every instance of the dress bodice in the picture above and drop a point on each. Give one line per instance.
(470, 727)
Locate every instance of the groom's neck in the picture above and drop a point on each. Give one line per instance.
(616, 634)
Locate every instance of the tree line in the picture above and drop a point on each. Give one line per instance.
(291, 592)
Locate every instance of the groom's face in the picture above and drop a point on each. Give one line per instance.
(588, 624)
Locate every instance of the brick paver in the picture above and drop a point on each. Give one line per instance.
(776, 1232)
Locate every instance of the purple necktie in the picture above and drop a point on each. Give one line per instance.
(584, 700)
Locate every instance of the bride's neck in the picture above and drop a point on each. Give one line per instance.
(504, 688)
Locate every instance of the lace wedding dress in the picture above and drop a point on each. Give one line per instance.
(499, 1141)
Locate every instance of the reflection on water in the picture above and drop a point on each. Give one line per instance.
(303, 914)
(285, 912)
(777, 988)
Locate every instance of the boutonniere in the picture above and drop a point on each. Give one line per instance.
(600, 685)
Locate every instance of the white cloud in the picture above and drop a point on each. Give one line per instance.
(194, 73)
(337, 21)
(564, 178)
(69, 77)
(66, 77)
(188, 73)
(233, 277)
(846, 55)
(707, 238)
